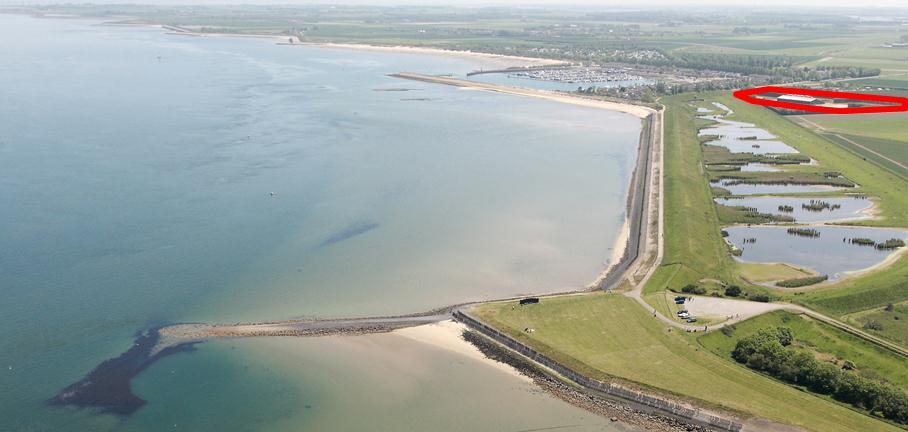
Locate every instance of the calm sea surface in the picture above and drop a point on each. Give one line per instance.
(148, 178)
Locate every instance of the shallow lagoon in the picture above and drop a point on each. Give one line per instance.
(760, 189)
(740, 137)
(759, 167)
(851, 208)
(826, 254)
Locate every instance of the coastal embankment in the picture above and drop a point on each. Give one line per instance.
(636, 110)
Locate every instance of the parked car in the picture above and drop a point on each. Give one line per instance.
(691, 320)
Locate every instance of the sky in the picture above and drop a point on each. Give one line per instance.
(597, 3)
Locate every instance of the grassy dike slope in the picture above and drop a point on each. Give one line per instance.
(609, 335)
(694, 248)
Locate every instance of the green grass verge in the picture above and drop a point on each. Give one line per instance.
(891, 324)
(867, 292)
(760, 272)
(609, 335)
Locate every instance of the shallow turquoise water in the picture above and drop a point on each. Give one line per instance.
(138, 172)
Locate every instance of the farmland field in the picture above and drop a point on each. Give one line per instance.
(887, 126)
(880, 138)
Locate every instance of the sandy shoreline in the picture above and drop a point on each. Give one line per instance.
(627, 108)
(493, 60)
(446, 335)
(617, 254)
(499, 60)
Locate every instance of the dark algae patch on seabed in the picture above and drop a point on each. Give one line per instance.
(109, 386)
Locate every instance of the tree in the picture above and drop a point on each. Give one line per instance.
(693, 289)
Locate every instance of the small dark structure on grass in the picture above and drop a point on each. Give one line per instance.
(529, 301)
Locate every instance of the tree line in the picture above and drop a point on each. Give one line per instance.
(769, 351)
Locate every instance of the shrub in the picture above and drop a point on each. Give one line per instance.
(693, 289)
(766, 351)
(800, 282)
(733, 291)
(763, 298)
(873, 325)
(891, 244)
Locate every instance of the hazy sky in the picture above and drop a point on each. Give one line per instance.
(599, 3)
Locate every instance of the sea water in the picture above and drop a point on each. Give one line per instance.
(150, 178)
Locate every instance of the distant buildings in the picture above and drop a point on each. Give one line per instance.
(799, 99)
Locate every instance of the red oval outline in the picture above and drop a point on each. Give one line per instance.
(746, 95)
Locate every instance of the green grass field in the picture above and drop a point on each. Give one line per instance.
(888, 149)
(759, 272)
(888, 126)
(610, 336)
(825, 342)
(894, 322)
(868, 292)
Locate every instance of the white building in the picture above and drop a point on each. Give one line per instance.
(799, 99)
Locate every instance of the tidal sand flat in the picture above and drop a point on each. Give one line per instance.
(168, 179)
(388, 382)
(831, 252)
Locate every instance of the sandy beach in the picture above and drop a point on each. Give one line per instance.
(447, 335)
(635, 110)
(493, 60)
(617, 253)
(499, 61)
